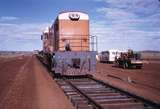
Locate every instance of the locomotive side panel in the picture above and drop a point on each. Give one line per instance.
(47, 38)
(55, 28)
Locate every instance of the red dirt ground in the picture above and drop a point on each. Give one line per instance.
(25, 84)
(143, 82)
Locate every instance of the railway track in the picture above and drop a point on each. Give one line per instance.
(89, 93)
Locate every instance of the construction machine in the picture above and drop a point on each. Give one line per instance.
(129, 59)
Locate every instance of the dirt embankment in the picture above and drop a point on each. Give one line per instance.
(25, 84)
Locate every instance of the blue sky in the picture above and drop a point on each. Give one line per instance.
(118, 24)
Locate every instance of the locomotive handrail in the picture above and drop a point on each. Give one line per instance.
(92, 40)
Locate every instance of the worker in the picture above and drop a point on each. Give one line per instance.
(67, 47)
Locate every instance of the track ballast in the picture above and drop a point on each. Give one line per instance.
(89, 93)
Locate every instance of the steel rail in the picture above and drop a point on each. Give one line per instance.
(69, 80)
(94, 103)
(146, 101)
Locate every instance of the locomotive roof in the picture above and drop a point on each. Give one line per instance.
(65, 15)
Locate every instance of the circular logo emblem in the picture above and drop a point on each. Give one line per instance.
(74, 16)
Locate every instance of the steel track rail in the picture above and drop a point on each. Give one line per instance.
(94, 103)
(149, 102)
(74, 88)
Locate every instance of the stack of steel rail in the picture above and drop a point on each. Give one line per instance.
(89, 93)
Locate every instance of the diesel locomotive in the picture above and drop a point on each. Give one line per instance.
(66, 45)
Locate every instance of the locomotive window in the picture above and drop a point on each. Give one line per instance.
(76, 62)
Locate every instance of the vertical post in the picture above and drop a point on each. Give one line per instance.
(92, 43)
(89, 62)
(96, 44)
